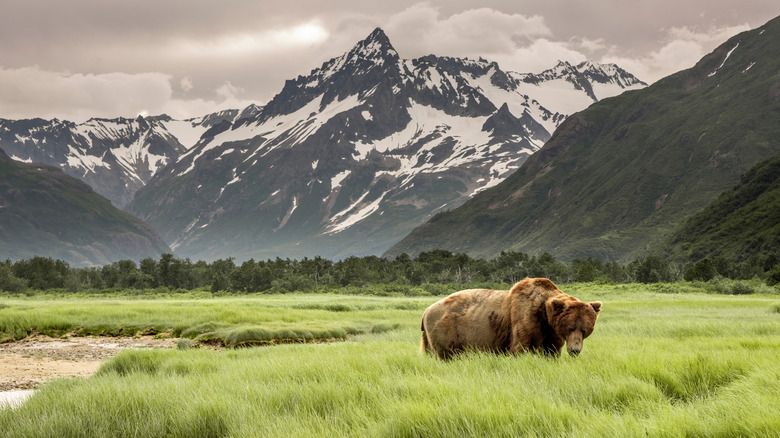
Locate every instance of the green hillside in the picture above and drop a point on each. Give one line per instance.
(742, 222)
(44, 212)
(618, 178)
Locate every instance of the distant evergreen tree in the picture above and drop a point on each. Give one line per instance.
(703, 270)
(586, 270)
(651, 269)
(9, 282)
(42, 272)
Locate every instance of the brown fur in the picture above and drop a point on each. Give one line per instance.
(533, 316)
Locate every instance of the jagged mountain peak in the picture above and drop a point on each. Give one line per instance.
(563, 66)
(216, 118)
(160, 118)
(375, 43)
(561, 69)
(502, 122)
(249, 113)
(335, 79)
(589, 65)
(375, 48)
(604, 73)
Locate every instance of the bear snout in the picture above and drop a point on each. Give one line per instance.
(574, 343)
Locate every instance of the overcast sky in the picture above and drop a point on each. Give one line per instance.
(77, 59)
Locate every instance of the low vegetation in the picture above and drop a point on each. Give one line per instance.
(665, 360)
(221, 321)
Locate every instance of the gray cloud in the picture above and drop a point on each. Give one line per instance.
(81, 58)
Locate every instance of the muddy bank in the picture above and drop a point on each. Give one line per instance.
(28, 363)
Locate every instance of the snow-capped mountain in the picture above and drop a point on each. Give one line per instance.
(116, 157)
(349, 158)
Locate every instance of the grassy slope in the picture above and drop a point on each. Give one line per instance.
(742, 221)
(621, 175)
(658, 364)
(47, 213)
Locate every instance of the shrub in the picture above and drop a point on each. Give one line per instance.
(438, 289)
(338, 307)
(741, 288)
(732, 287)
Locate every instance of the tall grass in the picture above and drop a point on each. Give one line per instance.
(658, 365)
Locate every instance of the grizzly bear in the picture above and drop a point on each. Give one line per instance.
(533, 316)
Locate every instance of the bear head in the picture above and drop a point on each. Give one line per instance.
(572, 320)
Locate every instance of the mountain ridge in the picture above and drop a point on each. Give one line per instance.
(44, 212)
(742, 222)
(616, 178)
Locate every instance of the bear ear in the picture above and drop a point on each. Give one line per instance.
(554, 308)
(596, 306)
(557, 305)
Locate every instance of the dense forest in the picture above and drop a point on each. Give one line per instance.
(403, 274)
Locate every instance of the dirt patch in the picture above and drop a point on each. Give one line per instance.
(28, 363)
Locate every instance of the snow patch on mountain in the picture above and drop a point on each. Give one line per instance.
(78, 159)
(498, 172)
(294, 128)
(335, 182)
(288, 215)
(23, 160)
(557, 95)
(428, 121)
(135, 156)
(185, 131)
(340, 222)
(724, 60)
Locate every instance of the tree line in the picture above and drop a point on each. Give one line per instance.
(308, 274)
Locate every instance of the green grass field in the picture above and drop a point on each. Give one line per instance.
(658, 364)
